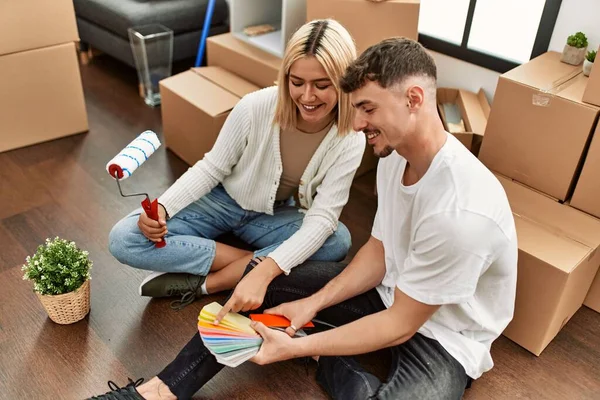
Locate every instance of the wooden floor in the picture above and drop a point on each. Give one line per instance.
(60, 188)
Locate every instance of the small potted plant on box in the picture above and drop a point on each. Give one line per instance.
(574, 51)
(60, 273)
(588, 63)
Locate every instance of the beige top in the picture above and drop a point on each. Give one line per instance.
(297, 148)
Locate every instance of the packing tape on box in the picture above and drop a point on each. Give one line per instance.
(543, 97)
(134, 155)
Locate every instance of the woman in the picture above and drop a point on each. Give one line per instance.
(246, 159)
(293, 138)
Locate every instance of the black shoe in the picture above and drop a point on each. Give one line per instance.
(128, 392)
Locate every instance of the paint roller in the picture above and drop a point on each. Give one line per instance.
(131, 158)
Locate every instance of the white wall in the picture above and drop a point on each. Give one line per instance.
(460, 74)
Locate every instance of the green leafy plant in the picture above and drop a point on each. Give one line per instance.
(57, 267)
(591, 56)
(578, 40)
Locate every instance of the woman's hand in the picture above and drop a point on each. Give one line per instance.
(249, 293)
(154, 230)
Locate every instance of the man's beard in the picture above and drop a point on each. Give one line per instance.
(387, 150)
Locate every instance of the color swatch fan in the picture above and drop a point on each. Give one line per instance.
(232, 341)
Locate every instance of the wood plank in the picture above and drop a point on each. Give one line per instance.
(44, 360)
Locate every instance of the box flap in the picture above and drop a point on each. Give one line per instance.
(548, 74)
(473, 111)
(544, 72)
(575, 89)
(555, 217)
(228, 81)
(551, 247)
(201, 92)
(485, 105)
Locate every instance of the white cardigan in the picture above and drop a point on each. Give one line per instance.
(246, 159)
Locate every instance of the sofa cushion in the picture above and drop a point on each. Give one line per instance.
(179, 15)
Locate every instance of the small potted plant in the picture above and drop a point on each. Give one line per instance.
(574, 51)
(588, 63)
(60, 273)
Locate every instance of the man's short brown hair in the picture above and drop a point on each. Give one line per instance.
(388, 63)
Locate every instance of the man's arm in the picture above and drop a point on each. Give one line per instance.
(390, 327)
(366, 271)
(387, 328)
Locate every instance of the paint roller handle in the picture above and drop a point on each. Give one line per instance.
(151, 209)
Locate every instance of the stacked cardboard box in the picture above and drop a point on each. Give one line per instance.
(592, 91)
(42, 96)
(587, 192)
(538, 136)
(539, 128)
(558, 259)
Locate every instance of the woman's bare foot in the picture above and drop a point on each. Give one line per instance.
(155, 389)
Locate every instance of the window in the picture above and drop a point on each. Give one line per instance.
(495, 34)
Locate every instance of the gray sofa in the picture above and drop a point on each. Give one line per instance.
(103, 24)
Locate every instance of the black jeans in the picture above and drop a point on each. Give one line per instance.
(421, 367)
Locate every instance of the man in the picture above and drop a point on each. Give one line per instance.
(436, 281)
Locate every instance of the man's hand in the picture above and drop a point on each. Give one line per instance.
(249, 293)
(299, 312)
(154, 230)
(276, 346)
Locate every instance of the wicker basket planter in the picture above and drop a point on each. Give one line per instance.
(70, 307)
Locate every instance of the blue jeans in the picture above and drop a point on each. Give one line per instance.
(190, 242)
(421, 368)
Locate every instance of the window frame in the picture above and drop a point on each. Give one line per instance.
(498, 64)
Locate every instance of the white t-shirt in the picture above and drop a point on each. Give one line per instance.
(450, 240)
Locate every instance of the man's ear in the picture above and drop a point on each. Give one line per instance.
(415, 97)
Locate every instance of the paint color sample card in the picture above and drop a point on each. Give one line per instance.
(233, 341)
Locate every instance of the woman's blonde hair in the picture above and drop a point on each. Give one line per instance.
(331, 44)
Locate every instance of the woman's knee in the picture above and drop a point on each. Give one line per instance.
(122, 238)
(339, 243)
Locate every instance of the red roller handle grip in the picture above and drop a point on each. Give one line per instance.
(151, 210)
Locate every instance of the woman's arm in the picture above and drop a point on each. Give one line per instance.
(216, 164)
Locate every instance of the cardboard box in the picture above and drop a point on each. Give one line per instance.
(558, 259)
(194, 106)
(42, 97)
(32, 24)
(592, 90)
(474, 111)
(539, 128)
(244, 60)
(369, 22)
(586, 196)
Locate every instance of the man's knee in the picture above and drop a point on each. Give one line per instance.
(342, 381)
(444, 386)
